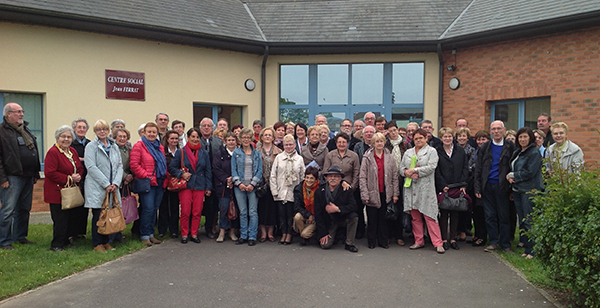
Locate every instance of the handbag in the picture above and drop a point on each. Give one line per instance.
(459, 204)
(142, 186)
(407, 222)
(392, 212)
(111, 220)
(263, 189)
(232, 211)
(70, 195)
(129, 206)
(176, 184)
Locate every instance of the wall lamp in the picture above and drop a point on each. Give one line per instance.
(451, 67)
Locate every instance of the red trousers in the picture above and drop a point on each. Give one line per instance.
(192, 202)
(432, 226)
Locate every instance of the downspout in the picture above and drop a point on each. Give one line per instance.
(263, 77)
(441, 84)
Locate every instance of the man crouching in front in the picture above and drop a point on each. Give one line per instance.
(335, 208)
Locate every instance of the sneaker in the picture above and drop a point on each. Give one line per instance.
(147, 242)
(153, 240)
(109, 247)
(100, 248)
(492, 248)
(221, 238)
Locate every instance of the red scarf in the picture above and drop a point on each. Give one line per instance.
(191, 157)
(309, 197)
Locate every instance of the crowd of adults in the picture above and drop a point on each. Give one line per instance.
(288, 179)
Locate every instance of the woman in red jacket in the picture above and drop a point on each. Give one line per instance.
(148, 161)
(61, 162)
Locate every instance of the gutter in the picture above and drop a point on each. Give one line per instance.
(263, 79)
(441, 84)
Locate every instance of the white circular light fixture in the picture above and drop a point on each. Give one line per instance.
(454, 83)
(249, 84)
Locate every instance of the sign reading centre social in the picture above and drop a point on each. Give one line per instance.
(125, 85)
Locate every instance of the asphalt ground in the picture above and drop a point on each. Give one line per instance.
(214, 274)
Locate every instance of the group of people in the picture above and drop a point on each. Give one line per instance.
(287, 179)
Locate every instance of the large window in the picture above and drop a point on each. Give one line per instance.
(32, 106)
(520, 113)
(338, 91)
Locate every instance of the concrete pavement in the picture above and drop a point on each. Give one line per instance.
(271, 275)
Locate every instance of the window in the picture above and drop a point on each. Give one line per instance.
(32, 106)
(338, 91)
(520, 113)
(233, 114)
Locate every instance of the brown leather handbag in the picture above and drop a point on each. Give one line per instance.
(111, 220)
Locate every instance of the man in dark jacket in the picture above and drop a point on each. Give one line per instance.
(211, 144)
(335, 208)
(19, 170)
(493, 164)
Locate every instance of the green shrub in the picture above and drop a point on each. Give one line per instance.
(566, 230)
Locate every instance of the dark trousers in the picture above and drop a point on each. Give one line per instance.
(80, 220)
(267, 211)
(454, 217)
(497, 211)
(512, 216)
(210, 210)
(525, 209)
(360, 229)
(62, 221)
(377, 229)
(479, 220)
(97, 238)
(168, 213)
(350, 221)
(286, 216)
(395, 227)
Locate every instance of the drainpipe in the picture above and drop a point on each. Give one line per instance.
(263, 77)
(441, 84)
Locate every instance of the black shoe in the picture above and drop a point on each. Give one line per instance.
(446, 246)
(359, 236)
(174, 235)
(303, 242)
(211, 235)
(384, 246)
(251, 242)
(288, 243)
(56, 249)
(454, 245)
(351, 248)
(196, 240)
(26, 242)
(8, 247)
(371, 246)
(241, 241)
(184, 240)
(281, 242)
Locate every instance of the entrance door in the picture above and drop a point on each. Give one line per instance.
(233, 114)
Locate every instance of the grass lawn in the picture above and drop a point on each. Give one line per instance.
(30, 266)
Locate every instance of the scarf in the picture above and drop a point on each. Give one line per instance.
(21, 130)
(159, 158)
(309, 196)
(189, 151)
(291, 178)
(330, 195)
(69, 156)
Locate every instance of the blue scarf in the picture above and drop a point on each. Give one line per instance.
(159, 157)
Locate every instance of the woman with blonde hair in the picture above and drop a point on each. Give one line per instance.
(267, 209)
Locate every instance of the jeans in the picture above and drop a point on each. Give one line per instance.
(496, 211)
(150, 202)
(224, 210)
(14, 213)
(524, 209)
(248, 206)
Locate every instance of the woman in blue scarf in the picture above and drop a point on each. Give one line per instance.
(148, 161)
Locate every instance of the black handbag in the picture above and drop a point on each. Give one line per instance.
(460, 204)
(142, 186)
(263, 189)
(392, 212)
(407, 222)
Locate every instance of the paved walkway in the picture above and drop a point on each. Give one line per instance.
(270, 275)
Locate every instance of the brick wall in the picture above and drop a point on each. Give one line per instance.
(564, 67)
(38, 204)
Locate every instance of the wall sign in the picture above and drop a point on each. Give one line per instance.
(125, 85)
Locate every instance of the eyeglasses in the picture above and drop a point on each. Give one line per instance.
(164, 120)
(17, 111)
(102, 129)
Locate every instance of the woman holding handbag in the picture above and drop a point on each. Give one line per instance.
(121, 137)
(168, 212)
(378, 187)
(221, 168)
(105, 172)
(198, 175)
(267, 209)
(61, 165)
(452, 170)
(149, 165)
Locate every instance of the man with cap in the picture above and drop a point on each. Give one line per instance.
(335, 208)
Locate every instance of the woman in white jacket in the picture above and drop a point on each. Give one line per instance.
(287, 171)
(563, 153)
